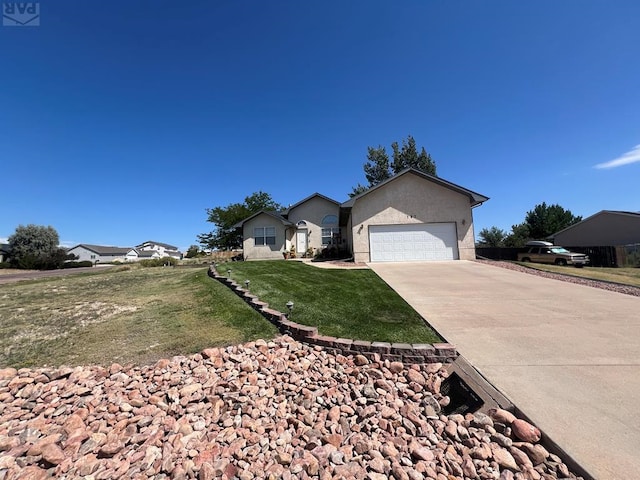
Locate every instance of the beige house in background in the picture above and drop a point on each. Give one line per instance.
(413, 216)
(605, 228)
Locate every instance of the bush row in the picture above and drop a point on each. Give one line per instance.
(85, 263)
(159, 262)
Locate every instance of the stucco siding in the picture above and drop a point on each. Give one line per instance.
(411, 199)
(263, 252)
(605, 229)
(312, 212)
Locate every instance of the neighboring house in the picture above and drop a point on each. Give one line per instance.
(102, 254)
(5, 250)
(147, 254)
(413, 216)
(605, 228)
(312, 223)
(163, 249)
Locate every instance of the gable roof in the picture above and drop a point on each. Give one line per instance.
(286, 211)
(620, 212)
(160, 244)
(146, 253)
(271, 213)
(474, 197)
(5, 247)
(104, 250)
(601, 212)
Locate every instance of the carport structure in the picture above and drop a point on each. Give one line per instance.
(567, 355)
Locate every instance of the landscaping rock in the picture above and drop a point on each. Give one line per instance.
(525, 431)
(276, 409)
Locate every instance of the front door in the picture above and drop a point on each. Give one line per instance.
(301, 241)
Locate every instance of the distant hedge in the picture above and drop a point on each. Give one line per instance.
(84, 263)
(158, 262)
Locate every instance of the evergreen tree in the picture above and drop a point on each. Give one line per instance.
(377, 169)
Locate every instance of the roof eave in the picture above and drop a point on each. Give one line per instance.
(476, 199)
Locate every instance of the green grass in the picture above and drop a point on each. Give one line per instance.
(626, 276)
(121, 315)
(341, 303)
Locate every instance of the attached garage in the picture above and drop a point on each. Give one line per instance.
(413, 242)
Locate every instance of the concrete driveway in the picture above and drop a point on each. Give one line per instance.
(567, 355)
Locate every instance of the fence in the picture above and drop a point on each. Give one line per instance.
(625, 256)
(629, 255)
(499, 253)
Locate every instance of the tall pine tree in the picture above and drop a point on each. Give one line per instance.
(378, 168)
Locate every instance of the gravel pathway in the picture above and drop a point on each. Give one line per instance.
(613, 287)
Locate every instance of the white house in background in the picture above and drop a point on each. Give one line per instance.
(147, 254)
(5, 250)
(163, 249)
(103, 254)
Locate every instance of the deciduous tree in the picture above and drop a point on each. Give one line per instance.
(491, 237)
(518, 236)
(226, 236)
(192, 252)
(35, 247)
(539, 223)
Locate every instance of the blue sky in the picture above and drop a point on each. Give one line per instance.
(122, 122)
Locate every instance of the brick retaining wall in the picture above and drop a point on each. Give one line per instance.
(404, 352)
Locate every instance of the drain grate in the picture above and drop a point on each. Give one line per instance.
(463, 399)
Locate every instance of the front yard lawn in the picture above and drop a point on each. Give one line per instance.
(121, 315)
(345, 303)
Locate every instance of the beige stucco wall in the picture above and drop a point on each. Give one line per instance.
(312, 212)
(252, 251)
(411, 199)
(605, 229)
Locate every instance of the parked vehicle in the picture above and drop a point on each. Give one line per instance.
(546, 252)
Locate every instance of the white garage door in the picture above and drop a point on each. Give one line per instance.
(413, 242)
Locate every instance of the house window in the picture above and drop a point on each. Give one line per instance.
(330, 230)
(265, 235)
(330, 220)
(331, 236)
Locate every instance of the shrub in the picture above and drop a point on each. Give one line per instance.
(85, 263)
(158, 262)
(332, 252)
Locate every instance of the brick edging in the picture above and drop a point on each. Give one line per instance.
(404, 352)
